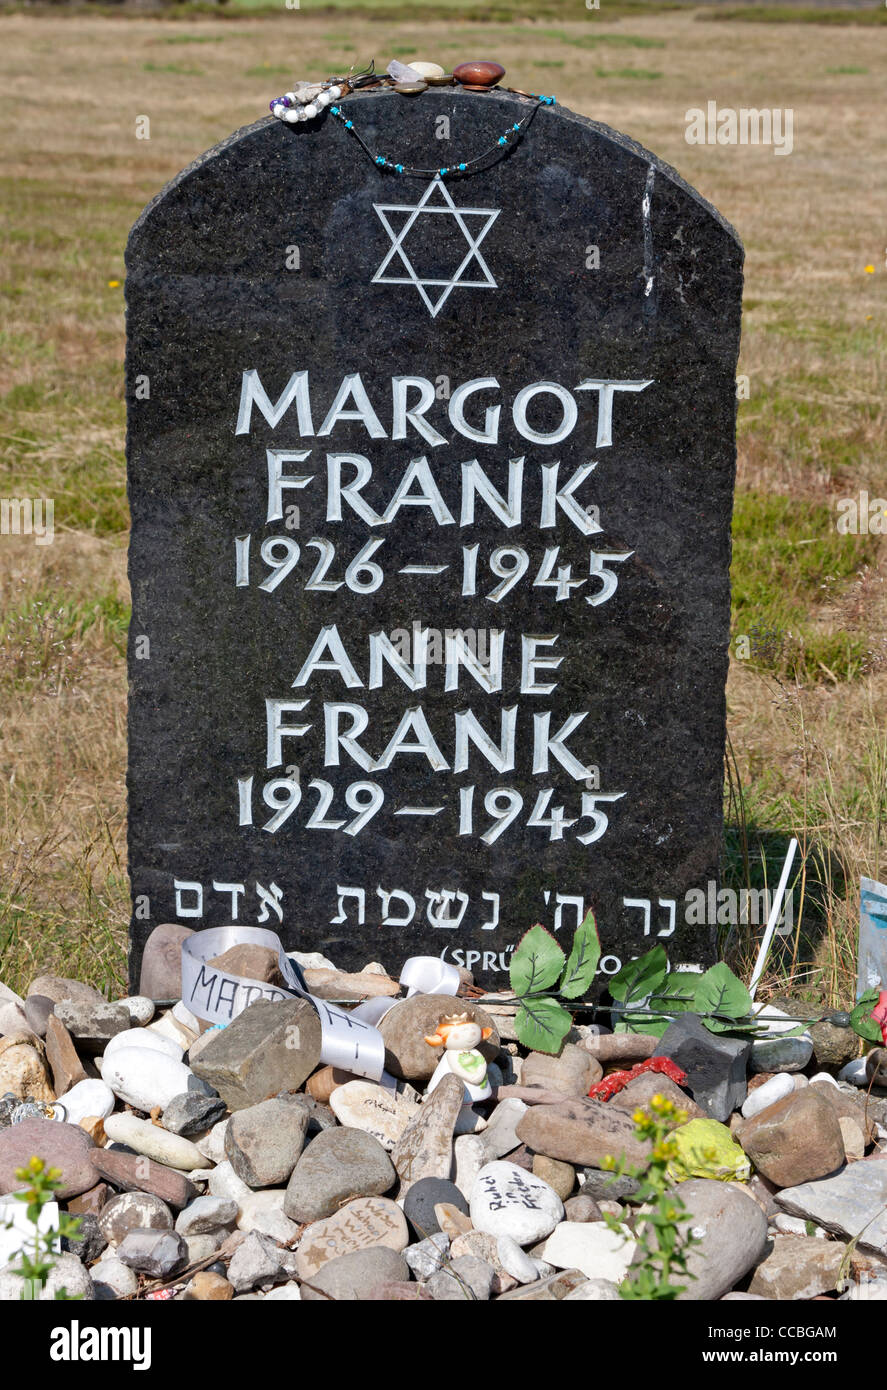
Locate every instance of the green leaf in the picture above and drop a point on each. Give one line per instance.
(640, 977)
(642, 1023)
(583, 959)
(861, 1021)
(537, 962)
(720, 992)
(674, 996)
(542, 1024)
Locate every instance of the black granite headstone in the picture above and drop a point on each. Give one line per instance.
(431, 486)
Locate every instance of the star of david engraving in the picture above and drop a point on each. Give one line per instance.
(428, 205)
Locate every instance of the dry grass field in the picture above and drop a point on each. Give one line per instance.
(807, 704)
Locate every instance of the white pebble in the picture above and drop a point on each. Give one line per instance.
(515, 1261)
(152, 1141)
(224, 1182)
(823, 1076)
(771, 1091)
(145, 1079)
(139, 1007)
(90, 1097)
(854, 1072)
(145, 1038)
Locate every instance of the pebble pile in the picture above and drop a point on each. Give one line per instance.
(213, 1164)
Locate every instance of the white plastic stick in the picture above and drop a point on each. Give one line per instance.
(775, 910)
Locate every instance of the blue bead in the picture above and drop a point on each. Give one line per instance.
(502, 140)
(515, 127)
(463, 166)
(444, 171)
(399, 168)
(349, 125)
(335, 110)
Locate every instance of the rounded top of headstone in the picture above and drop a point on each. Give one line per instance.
(563, 162)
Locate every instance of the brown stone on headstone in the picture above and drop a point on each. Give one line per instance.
(90, 1202)
(134, 1173)
(479, 74)
(795, 1140)
(60, 1145)
(269, 1048)
(61, 1054)
(582, 1132)
(620, 1047)
(161, 974)
(252, 962)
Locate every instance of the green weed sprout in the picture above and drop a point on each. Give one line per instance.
(662, 1246)
(36, 1265)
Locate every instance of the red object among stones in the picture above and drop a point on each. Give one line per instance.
(879, 1014)
(618, 1080)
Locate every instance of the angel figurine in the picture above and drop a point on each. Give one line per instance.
(459, 1036)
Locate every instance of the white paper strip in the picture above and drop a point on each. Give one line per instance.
(350, 1040)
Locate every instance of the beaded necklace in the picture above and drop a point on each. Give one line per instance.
(465, 166)
(305, 106)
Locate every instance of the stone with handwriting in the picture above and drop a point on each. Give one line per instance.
(508, 1201)
(365, 1222)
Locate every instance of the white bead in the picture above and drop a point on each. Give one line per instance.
(292, 116)
(335, 93)
(290, 96)
(311, 111)
(323, 100)
(280, 111)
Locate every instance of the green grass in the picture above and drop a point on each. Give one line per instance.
(788, 558)
(790, 14)
(599, 40)
(195, 38)
(172, 67)
(641, 74)
(849, 70)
